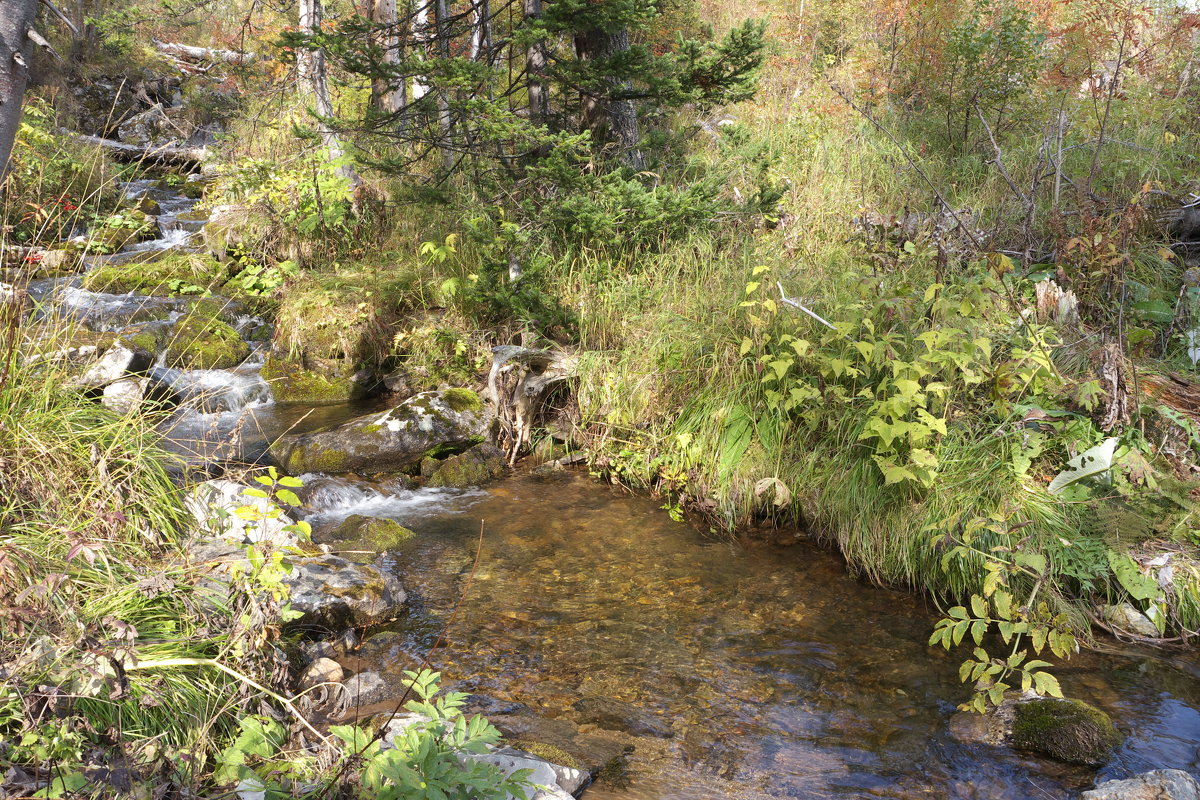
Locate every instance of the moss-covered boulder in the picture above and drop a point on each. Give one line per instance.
(1066, 730)
(173, 273)
(200, 340)
(482, 463)
(430, 423)
(292, 382)
(375, 533)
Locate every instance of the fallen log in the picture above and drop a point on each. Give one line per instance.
(210, 54)
(159, 154)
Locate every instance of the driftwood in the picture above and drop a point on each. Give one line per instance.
(209, 54)
(161, 154)
(538, 371)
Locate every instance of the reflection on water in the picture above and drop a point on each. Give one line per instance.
(740, 671)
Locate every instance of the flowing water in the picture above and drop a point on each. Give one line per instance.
(703, 669)
(733, 670)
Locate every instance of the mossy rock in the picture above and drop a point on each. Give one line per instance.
(174, 273)
(462, 400)
(200, 341)
(291, 382)
(1066, 730)
(480, 464)
(377, 533)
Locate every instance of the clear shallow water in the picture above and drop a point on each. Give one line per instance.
(744, 672)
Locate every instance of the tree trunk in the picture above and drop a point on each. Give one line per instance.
(421, 34)
(609, 115)
(535, 68)
(481, 31)
(441, 14)
(388, 94)
(310, 63)
(16, 54)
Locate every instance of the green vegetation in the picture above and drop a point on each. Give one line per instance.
(170, 274)
(200, 340)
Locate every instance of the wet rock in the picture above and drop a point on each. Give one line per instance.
(213, 506)
(553, 472)
(617, 715)
(1159, 784)
(430, 423)
(376, 532)
(1128, 618)
(482, 463)
(366, 688)
(322, 670)
(117, 362)
(335, 594)
(1066, 730)
(58, 262)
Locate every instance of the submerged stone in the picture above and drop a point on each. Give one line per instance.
(1066, 730)
(333, 593)
(427, 424)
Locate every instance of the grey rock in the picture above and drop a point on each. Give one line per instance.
(552, 778)
(365, 688)
(430, 422)
(1159, 784)
(334, 593)
(124, 395)
(117, 362)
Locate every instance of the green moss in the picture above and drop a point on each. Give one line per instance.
(472, 468)
(373, 428)
(292, 383)
(327, 459)
(1067, 730)
(174, 273)
(375, 532)
(147, 341)
(547, 752)
(462, 400)
(202, 342)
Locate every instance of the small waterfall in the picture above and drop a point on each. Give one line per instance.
(330, 499)
(216, 391)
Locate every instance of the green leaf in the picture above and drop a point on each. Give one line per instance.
(251, 492)
(288, 480)
(978, 606)
(1139, 586)
(288, 496)
(1096, 461)
(1045, 683)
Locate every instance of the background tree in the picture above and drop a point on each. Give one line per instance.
(16, 56)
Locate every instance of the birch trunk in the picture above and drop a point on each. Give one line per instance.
(481, 31)
(388, 94)
(421, 34)
(442, 21)
(16, 54)
(310, 64)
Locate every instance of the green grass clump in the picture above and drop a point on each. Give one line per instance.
(174, 273)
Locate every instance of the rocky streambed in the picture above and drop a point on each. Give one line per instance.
(598, 634)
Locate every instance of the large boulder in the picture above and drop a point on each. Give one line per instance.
(292, 382)
(428, 424)
(1159, 784)
(375, 533)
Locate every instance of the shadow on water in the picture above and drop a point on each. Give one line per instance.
(736, 672)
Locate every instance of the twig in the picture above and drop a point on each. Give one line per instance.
(794, 304)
